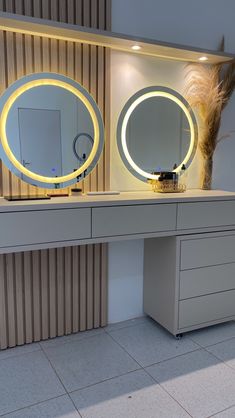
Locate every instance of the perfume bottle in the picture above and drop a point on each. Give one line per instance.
(183, 175)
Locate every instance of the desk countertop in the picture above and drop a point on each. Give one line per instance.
(124, 198)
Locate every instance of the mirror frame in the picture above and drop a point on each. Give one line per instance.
(131, 104)
(53, 79)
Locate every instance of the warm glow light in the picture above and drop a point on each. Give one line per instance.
(136, 47)
(203, 58)
(132, 107)
(4, 140)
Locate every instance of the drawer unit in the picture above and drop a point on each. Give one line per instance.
(207, 251)
(24, 228)
(205, 214)
(206, 280)
(139, 219)
(206, 309)
(189, 282)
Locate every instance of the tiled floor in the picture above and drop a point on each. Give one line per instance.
(134, 369)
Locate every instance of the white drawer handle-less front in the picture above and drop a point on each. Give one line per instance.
(205, 214)
(33, 227)
(139, 219)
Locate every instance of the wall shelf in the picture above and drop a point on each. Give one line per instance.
(68, 32)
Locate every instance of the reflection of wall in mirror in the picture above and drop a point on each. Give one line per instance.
(40, 140)
(157, 134)
(74, 118)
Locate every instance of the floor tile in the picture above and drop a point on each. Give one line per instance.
(198, 381)
(134, 395)
(17, 351)
(61, 407)
(214, 334)
(128, 323)
(89, 361)
(53, 342)
(25, 380)
(225, 351)
(149, 343)
(228, 413)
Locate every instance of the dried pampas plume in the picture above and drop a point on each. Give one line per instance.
(208, 90)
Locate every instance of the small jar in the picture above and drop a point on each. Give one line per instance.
(76, 192)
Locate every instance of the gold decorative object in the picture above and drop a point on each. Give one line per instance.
(167, 186)
(208, 90)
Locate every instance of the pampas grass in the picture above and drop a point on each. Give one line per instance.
(208, 90)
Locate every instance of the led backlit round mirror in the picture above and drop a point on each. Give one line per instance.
(157, 131)
(51, 130)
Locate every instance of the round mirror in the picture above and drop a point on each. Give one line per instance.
(157, 131)
(51, 130)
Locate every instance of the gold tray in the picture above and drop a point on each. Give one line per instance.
(167, 186)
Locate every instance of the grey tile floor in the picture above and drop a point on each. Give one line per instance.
(134, 369)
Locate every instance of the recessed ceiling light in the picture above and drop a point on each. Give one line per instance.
(203, 58)
(136, 47)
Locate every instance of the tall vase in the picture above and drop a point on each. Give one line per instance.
(206, 173)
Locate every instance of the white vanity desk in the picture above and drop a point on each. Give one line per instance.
(189, 267)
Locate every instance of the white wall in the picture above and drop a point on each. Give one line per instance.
(201, 24)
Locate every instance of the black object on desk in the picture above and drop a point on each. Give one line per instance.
(15, 198)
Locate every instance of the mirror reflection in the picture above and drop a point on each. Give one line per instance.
(50, 131)
(158, 134)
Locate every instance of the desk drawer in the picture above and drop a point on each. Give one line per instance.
(205, 214)
(125, 220)
(198, 282)
(207, 308)
(23, 228)
(204, 252)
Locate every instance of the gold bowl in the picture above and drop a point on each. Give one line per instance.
(167, 186)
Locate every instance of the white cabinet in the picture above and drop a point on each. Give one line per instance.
(189, 267)
(189, 281)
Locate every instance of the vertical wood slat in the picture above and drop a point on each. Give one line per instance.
(44, 270)
(19, 298)
(52, 290)
(97, 291)
(68, 290)
(107, 114)
(3, 307)
(75, 287)
(104, 284)
(36, 295)
(11, 300)
(90, 287)
(28, 300)
(11, 76)
(58, 291)
(82, 290)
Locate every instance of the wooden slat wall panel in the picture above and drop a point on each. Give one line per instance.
(57, 291)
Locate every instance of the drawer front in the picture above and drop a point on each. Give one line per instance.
(203, 252)
(125, 220)
(205, 214)
(206, 309)
(207, 280)
(23, 228)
